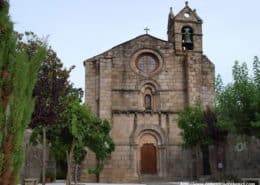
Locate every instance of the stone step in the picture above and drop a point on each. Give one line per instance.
(152, 179)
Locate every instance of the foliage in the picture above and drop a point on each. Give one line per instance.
(100, 142)
(77, 130)
(218, 86)
(50, 91)
(70, 126)
(238, 103)
(193, 127)
(18, 74)
(49, 176)
(199, 129)
(70, 130)
(80, 129)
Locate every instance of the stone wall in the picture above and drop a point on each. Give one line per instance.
(242, 158)
(208, 82)
(170, 82)
(33, 160)
(115, 91)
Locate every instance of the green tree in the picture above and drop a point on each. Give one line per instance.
(219, 86)
(199, 129)
(238, 103)
(50, 92)
(100, 142)
(193, 133)
(256, 71)
(18, 74)
(193, 127)
(78, 129)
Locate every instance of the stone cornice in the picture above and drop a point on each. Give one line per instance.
(133, 111)
(137, 90)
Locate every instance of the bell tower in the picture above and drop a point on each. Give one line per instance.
(185, 30)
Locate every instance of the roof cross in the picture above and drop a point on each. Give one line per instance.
(146, 29)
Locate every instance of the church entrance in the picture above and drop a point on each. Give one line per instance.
(148, 159)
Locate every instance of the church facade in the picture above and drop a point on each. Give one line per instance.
(140, 86)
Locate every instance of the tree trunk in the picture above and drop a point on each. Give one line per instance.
(44, 155)
(98, 174)
(68, 177)
(2, 2)
(5, 178)
(194, 163)
(98, 177)
(76, 174)
(69, 156)
(206, 160)
(7, 142)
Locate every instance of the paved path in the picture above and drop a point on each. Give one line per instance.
(152, 183)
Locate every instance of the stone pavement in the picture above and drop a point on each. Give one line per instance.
(146, 183)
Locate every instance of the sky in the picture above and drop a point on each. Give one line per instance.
(80, 29)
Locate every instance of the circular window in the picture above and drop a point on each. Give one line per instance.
(240, 147)
(147, 63)
(186, 15)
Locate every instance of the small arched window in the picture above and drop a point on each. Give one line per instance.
(148, 102)
(187, 38)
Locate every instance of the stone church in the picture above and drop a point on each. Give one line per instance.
(140, 86)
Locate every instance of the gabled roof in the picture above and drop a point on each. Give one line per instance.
(148, 36)
(187, 14)
(139, 37)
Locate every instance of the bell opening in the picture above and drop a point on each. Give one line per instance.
(187, 38)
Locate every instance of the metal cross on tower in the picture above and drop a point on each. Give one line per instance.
(146, 29)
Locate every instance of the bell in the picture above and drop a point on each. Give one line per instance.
(187, 36)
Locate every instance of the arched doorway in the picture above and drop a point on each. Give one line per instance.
(148, 159)
(149, 134)
(148, 154)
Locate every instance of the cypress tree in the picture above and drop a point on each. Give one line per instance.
(18, 74)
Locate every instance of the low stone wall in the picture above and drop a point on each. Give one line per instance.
(33, 160)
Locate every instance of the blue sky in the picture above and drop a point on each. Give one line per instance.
(80, 29)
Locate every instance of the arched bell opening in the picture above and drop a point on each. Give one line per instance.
(187, 38)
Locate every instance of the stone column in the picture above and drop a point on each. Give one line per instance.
(162, 161)
(105, 92)
(194, 78)
(90, 84)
